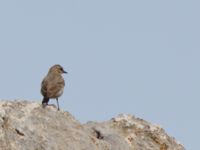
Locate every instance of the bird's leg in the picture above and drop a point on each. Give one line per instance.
(57, 104)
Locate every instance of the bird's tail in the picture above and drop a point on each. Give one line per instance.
(45, 101)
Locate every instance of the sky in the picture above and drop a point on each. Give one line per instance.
(135, 57)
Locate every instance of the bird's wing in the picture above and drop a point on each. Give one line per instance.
(44, 87)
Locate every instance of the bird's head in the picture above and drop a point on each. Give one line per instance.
(57, 69)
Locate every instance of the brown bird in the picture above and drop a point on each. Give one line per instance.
(53, 85)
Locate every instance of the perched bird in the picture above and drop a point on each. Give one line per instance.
(53, 85)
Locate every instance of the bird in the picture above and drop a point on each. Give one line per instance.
(52, 85)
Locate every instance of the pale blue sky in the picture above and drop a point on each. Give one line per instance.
(137, 57)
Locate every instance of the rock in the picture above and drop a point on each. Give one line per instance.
(27, 126)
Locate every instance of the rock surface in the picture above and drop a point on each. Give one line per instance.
(27, 126)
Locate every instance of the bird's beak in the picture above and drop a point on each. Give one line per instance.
(65, 71)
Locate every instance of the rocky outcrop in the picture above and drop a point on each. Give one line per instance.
(27, 126)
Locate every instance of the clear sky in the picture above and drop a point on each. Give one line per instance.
(137, 57)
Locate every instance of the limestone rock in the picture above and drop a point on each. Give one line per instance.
(27, 126)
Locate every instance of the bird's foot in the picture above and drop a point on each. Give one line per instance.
(44, 105)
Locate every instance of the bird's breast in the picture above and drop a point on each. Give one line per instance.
(60, 92)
